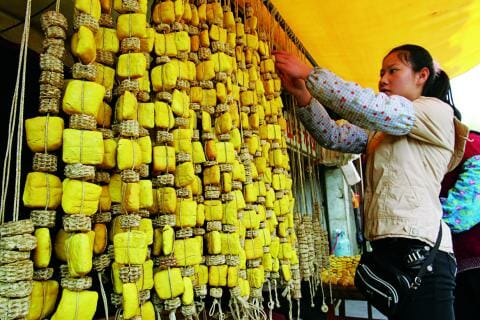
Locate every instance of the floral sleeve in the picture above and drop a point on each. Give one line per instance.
(345, 138)
(393, 115)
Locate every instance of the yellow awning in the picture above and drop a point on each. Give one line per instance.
(351, 37)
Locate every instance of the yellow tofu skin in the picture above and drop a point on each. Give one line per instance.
(44, 133)
(42, 190)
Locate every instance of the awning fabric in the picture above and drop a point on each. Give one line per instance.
(352, 37)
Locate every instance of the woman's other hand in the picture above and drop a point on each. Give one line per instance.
(290, 65)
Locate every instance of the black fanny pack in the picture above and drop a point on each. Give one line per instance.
(384, 285)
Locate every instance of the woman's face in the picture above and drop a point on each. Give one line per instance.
(398, 78)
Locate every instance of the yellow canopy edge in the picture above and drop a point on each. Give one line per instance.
(351, 37)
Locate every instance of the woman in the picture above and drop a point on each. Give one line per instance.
(411, 139)
(461, 206)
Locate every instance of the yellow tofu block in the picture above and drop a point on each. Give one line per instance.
(83, 45)
(214, 12)
(164, 159)
(163, 115)
(92, 7)
(182, 140)
(201, 274)
(100, 241)
(222, 62)
(146, 194)
(104, 115)
(231, 243)
(192, 71)
(232, 277)
(211, 175)
(44, 133)
(187, 297)
(106, 39)
(131, 65)
(217, 275)
(253, 75)
(82, 146)
(244, 288)
(253, 248)
(200, 214)
(147, 311)
(213, 210)
(144, 82)
(187, 13)
(256, 277)
(76, 304)
(214, 32)
(225, 152)
(147, 43)
(230, 213)
(83, 97)
(196, 186)
(110, 154)
(204, 38)
(250, 219)
(186, 213)
(206, 70)
(209, 98)
(129, 154)
(253, 144)
(170, 75)
(229, 21)
(132, 25)
(188, 252)
(287, 274)
(206, 122)
(181, 103)
(169, 283)
(43, 252)
(250, 192)
(214, 242)
(226, 182)
(167, 200)
(130, 247)
(182, 41)
(184, 174)
(115, 188)
(263, 49)
(42, 190)
(130, 300)
(42, 299)
(223, 123)
(236, 139)
(195, 21)
(197, 152)
(221, 92)
(105, 76)
(246, 98)
(79, 253)
(145, 144)
(165, 44)
(105, 201)
(80, 197)
(168, 238)
(164, 12)
(156, 76)
(238, 171)
(285, 251)
(146, 115)
(126, 107)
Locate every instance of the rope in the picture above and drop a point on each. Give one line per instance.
(104, 295)
(21, 71)
(212, 312)
(270, 303)
(277, 302)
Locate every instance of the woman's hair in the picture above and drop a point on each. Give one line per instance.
(438, 82)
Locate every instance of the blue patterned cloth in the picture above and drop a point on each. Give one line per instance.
(461, 208)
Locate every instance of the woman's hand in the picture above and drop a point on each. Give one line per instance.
(297, 88)
(290, 65)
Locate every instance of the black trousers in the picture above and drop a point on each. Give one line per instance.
(434, 298)
(467, 295)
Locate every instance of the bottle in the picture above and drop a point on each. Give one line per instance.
(342, 246)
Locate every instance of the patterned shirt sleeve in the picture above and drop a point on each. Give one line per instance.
(393, 115)
(345, 138)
